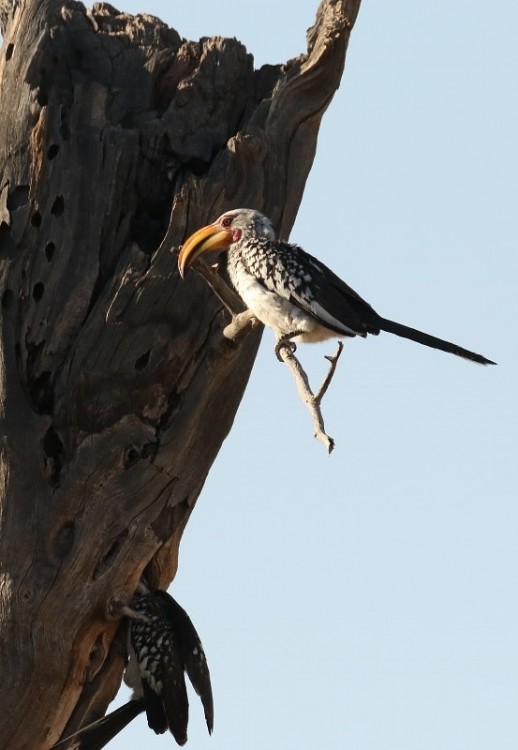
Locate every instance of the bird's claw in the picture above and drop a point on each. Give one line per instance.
(285, 342)
(132, 614)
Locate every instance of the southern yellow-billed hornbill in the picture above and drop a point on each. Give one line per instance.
(163, 644)
(292, 292)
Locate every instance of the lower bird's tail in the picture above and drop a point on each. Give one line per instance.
(424, 338)
(97, 735)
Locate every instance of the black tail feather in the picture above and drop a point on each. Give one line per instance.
(95, 736)
(176, 704)
(193, 657)
(424, 338)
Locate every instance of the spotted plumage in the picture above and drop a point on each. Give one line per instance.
(291, 291)
(163, 644)
(283, 286)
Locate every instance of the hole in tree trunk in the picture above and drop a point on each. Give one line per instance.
(131, 456)
(38, 291)
(111, 556)
(18, 197)
(52, 151)
(49, 250)
(53, 456)
(58, 206)
(142, 361)
(7, 246)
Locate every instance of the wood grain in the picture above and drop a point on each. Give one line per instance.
(117, 138)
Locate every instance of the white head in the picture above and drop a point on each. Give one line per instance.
(231, 227)
(247, 222)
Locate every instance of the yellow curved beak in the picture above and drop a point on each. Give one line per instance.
(211, 237)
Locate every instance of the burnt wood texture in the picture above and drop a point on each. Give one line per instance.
(117, 139)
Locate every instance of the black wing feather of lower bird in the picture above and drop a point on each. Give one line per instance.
(191, 653)
(97, 735)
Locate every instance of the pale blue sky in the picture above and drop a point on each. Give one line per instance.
(368, 600)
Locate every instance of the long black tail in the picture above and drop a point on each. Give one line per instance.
(424, 338)
(97, 735)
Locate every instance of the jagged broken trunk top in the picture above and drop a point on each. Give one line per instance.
(118, 137)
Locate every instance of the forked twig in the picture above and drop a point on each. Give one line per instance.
(333, 359)
(312, 400)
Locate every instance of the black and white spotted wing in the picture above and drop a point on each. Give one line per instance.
(299, 277)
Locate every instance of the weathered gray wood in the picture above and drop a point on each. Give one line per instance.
(6, 12)
(116, 385)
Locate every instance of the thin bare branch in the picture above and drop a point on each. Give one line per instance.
(312, 400)
(333, 359)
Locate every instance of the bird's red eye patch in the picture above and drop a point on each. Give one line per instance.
(227, 221)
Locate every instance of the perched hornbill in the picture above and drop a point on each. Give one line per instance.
(163, 644)
(292, 292)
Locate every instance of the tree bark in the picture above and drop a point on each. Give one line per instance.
(117, 388)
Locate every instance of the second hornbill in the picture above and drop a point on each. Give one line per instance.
(291, 291)
(163, 645)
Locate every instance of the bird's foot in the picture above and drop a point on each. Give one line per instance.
(133, 614)
(286, 342)
(118, 606)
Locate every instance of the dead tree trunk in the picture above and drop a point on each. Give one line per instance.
(116, 386)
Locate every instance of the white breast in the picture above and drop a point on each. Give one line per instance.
(278, 312)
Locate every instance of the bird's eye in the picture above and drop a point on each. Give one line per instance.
(227, 221)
